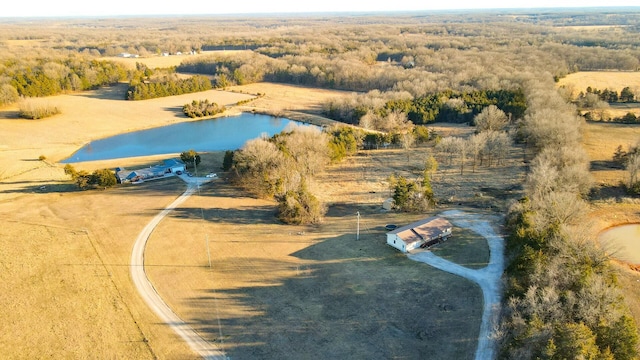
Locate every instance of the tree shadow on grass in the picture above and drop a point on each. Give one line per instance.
(176, 110)
(605, 165)
(239, 216)
(113, 92)
(43, 187)
(342, 303)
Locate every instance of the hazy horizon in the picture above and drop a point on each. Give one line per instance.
(119, 8)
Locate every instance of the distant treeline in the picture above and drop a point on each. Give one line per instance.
(626, 95)
(170, 87)
(46, 77)
(443, 106)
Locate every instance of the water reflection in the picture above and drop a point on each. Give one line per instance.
(227, 133)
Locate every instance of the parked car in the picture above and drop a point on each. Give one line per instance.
(178, 172)
(212, 175)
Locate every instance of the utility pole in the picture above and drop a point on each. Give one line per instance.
(208, 252)
(358, 231)
(195, 167)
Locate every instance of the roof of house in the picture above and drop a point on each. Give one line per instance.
(423, 230)
(172, 162)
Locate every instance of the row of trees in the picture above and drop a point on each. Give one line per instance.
(201, 108)
(442, 106)
(167, 87)
(626, 95)
(628, 118)
(562, 299)
(45, 77)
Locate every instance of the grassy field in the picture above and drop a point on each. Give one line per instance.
(272, 289)
(157, 61)
(292, 292)
(600, 141)
(612, 80)
(611, 205)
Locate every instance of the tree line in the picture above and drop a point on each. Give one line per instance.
(561, 299)
(168, 86)
(46, 77)
(442, 106)
(626, 95)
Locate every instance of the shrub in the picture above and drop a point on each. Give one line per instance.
(33, 111)
(202, 108)
(300, 207)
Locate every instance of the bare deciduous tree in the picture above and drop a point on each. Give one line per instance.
(491, 119)
(633, 167)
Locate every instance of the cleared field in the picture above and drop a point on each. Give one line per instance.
(291, 292)
(600, 142)
(158, 61)
(615, 208)
(612, 80)
(273, 288)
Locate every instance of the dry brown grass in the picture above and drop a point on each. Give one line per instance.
(615, 207)
(290, 292)
(600, 141)
(612, 80)
(275, 289)
(158, 61)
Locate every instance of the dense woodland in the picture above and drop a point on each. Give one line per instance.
(495, 70)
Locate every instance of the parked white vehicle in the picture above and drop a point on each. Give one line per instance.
(212, 175)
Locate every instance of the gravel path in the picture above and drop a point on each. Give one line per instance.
(488, 278)
(149, 293)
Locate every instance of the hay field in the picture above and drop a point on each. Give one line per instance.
(158, 61)
(612, 80)
(600, 141)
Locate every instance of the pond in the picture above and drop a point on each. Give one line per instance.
(622, 242)
(228, 133)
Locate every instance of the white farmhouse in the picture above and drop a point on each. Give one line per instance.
(421, 233)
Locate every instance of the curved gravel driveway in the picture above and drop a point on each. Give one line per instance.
(488, 278)
(204, 348)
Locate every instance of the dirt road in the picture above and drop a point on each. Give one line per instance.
(488, 278)
(149, 293)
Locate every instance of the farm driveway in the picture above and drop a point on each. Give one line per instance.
(488, 277)
(149, 293)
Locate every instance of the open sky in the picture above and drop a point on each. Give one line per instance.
(38, 8)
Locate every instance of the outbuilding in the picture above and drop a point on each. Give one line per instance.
(421, 233)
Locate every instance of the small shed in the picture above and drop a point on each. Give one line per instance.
(421, 233)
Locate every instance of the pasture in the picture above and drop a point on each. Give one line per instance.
(612, 80)
(271, 287)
